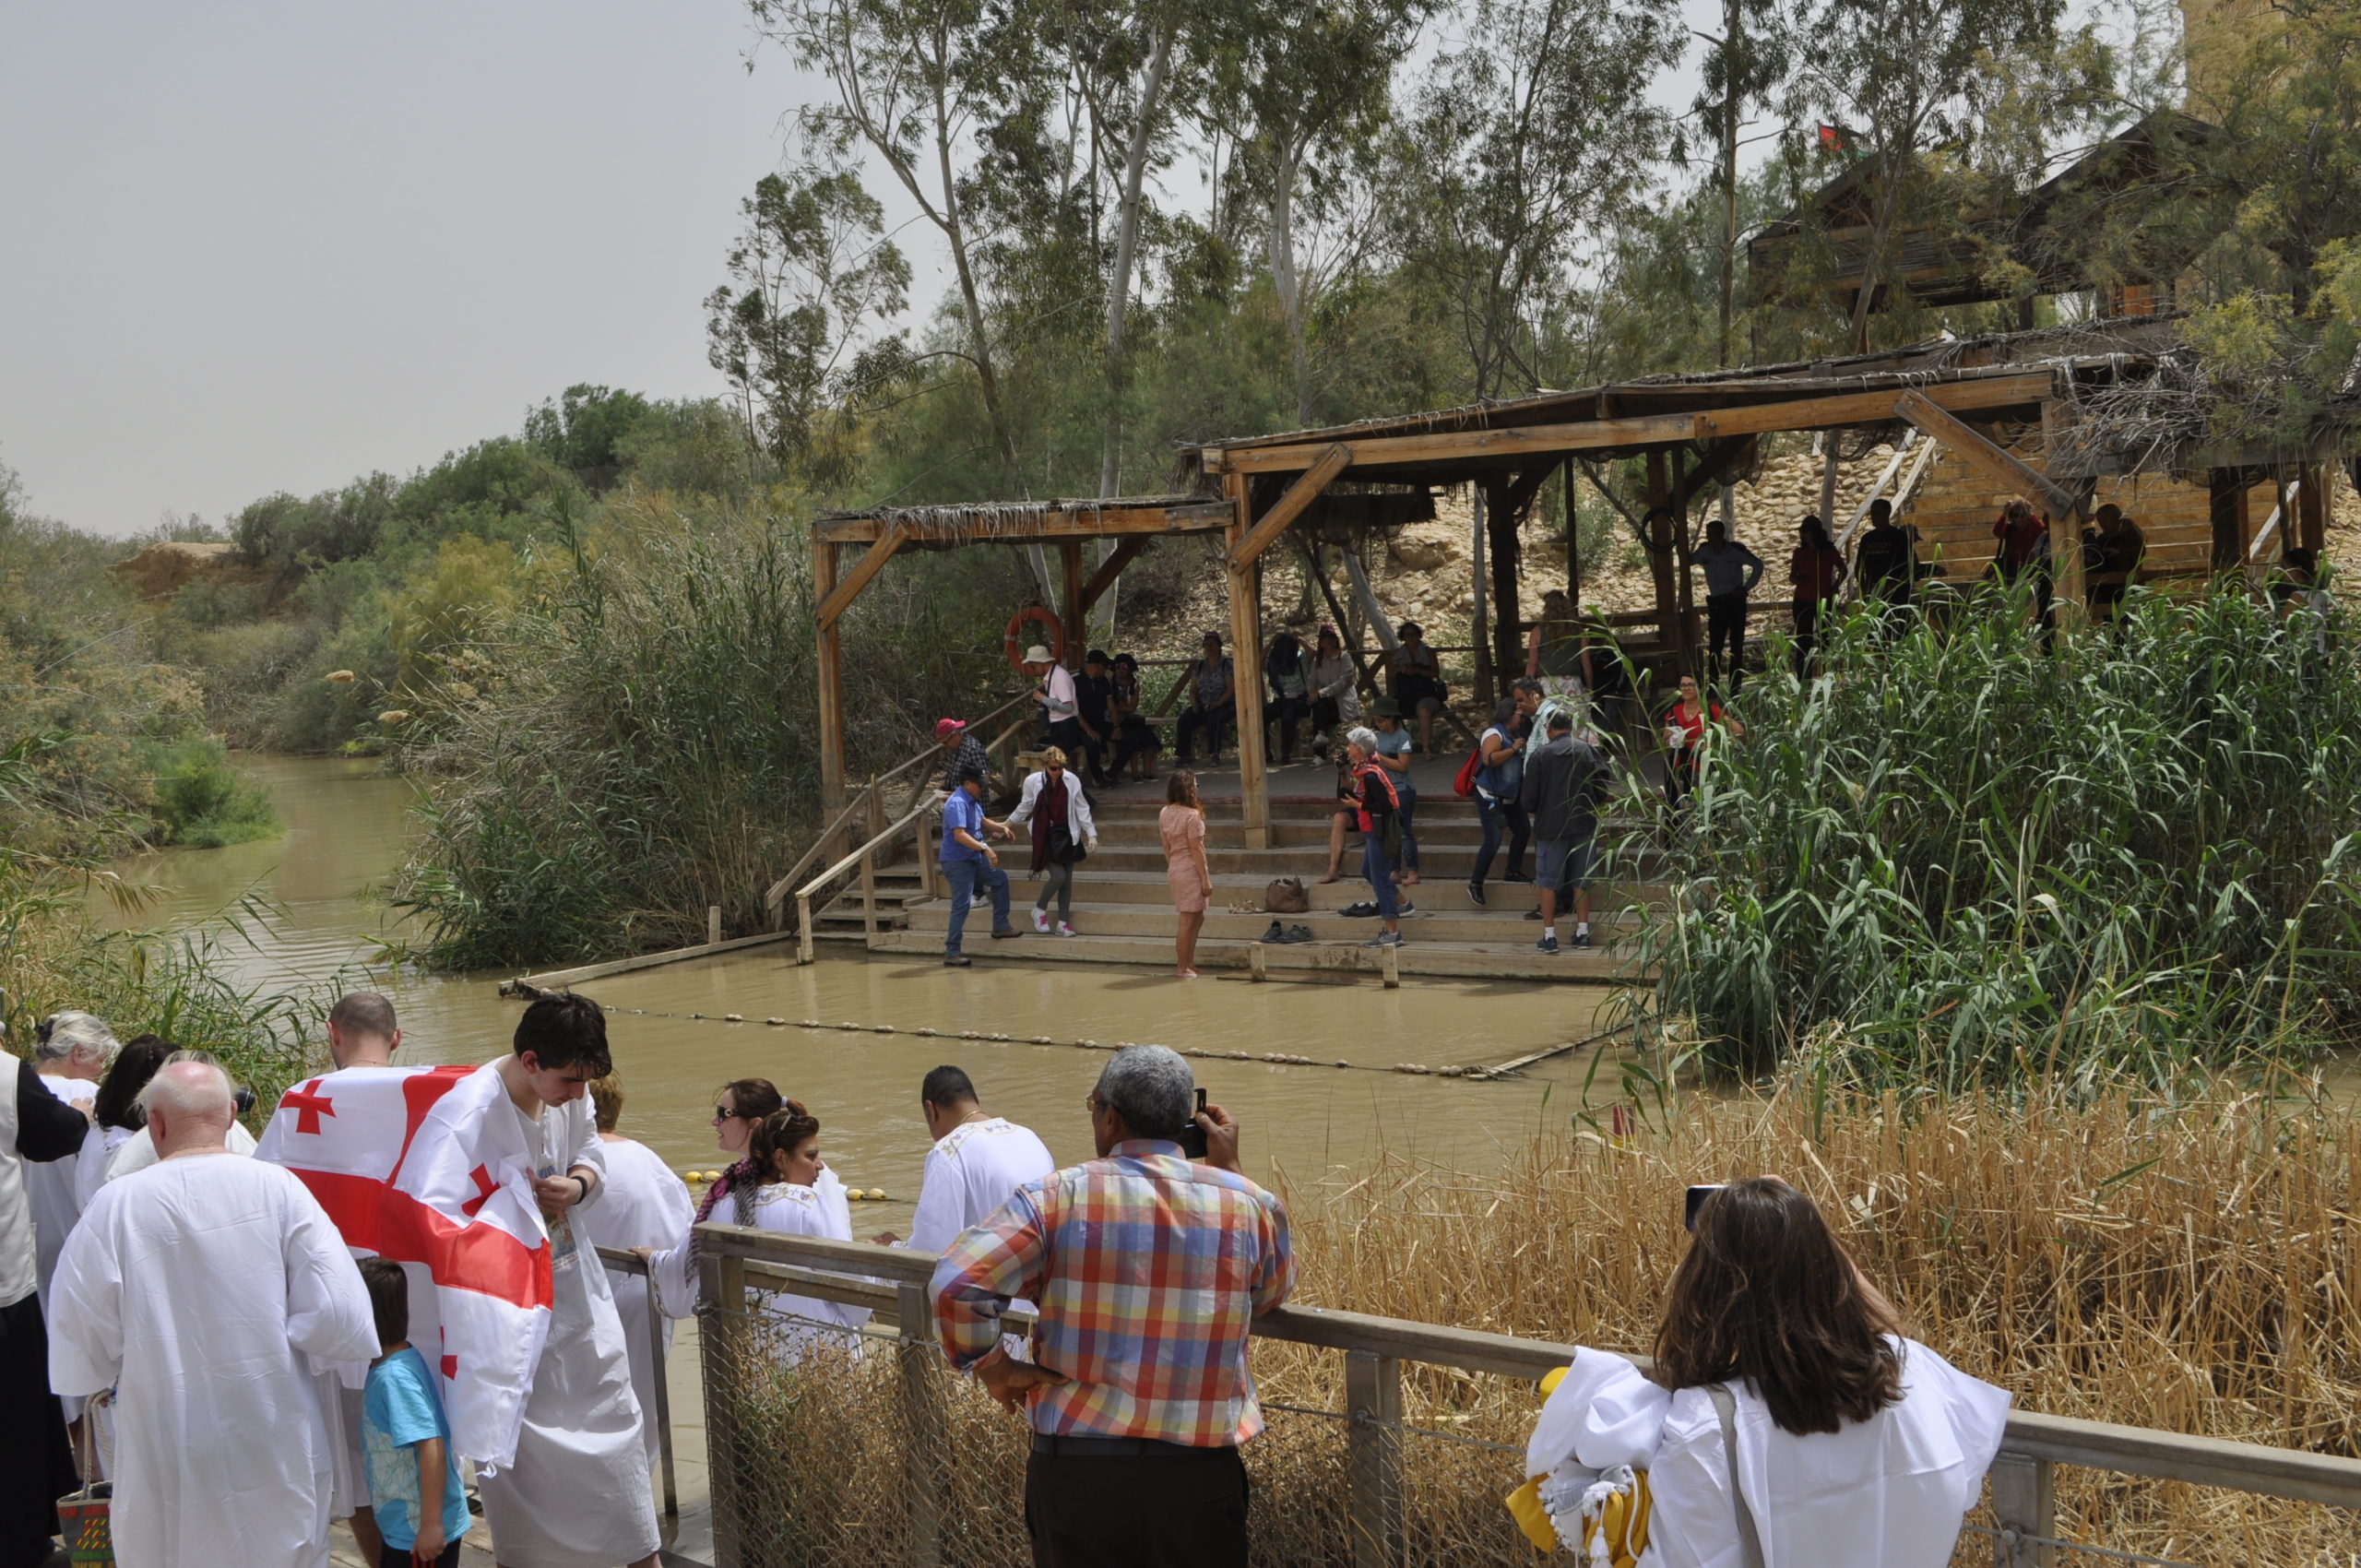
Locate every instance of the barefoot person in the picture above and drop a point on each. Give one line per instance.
(578, 1496)
(1181, 827)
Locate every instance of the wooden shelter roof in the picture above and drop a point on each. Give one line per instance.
(1025, 522)
(2007, 375)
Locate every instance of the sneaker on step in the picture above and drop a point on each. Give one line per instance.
(1384, 938)
(1276, 934)
(1065, 930)
(1476, 893)
(958, 961)
(1512, 874)
(1041, 921)
(1582, 939)
(1546, 945)
(1533, 914)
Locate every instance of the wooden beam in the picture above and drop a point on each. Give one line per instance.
(1126, 552)
(2311, 510)
(1660, 560)
(1246, 650)
(949, 526)
(1299, 495)
(1543, 441)
(1076, 637)
(832, 687)
(840, 598)
(1997, 463)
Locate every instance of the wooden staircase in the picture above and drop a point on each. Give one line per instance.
(1122, 910)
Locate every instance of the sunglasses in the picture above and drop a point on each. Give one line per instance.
(723, 1113)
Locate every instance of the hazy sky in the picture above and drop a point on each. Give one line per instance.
(248, 246)
(254, 246)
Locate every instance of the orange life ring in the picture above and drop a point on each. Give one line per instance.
(1054, 636)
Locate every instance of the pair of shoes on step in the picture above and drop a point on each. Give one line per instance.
(1286, 935)
(1041, 924)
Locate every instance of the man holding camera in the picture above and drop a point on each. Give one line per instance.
(1149, 1262)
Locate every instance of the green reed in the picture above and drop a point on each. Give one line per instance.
(1952, 857)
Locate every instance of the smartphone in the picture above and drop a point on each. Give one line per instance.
(1193, 1136)
(1696, 1200)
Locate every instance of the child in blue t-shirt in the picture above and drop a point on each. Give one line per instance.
(413, 1470)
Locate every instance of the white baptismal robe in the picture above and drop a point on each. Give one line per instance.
(675, 1271)
(1887, 1493)
(49, 1186)
(138, 1151)
(578, 1496)
(791, 1210)
(197, 1288)
(645, 1205)
(971, 1171)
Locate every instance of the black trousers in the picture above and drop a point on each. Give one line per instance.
(1286, 713)
(1726, 621)
(1212, 720)
(36, 1469)
(1177, 1508)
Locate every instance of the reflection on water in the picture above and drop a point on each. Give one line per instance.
(346, 831)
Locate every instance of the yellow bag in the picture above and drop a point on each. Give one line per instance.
(1614, 1517)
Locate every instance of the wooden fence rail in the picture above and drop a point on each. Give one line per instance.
(892, 1281)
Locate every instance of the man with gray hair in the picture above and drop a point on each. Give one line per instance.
(196, 1287)
(70, 1053)
(1148, 1268)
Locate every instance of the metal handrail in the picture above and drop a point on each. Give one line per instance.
(2031, 1446)
(623, 1262)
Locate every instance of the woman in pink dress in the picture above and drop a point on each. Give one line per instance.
(1181, 825)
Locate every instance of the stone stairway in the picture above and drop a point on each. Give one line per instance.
(1122, 910)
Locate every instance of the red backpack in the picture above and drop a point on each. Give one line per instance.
(1465, 785)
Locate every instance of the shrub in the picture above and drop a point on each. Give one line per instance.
(203, 803)
(1952, 859)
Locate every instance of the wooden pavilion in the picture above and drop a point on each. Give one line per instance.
(2042, 415)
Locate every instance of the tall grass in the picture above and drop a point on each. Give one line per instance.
(643, 741)
(1952, 859)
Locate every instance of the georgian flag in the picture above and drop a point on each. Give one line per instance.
(427, 1165)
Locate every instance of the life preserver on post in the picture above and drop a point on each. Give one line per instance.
(1013, 641)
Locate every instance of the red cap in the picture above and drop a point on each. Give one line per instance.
(946, 728)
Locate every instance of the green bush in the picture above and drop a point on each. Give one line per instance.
(203, 803)
(1953, 859)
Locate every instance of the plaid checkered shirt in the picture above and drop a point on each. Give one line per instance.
(1147, 1269)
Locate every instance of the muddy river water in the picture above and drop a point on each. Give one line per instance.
(347, 830)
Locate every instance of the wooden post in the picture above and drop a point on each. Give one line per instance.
(658, 1344)
(723, 1352)
(1660, 560)
(2311, 510)
(1374, 1456)
(1504, 517)
(832, 693)
(1574, 545)
(926, 1433)
(1254, 960)
(1480, 629)
(926, 856)
(1681, 497)
(2024, 1500)
(1246, 651)
(2229, 511)
(712, 924)
(1076, 637)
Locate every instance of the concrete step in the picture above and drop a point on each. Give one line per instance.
(1503, 924)
(1096, 883)
(1414, 957)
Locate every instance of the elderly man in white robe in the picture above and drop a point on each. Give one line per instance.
(578, 1496)
(196, 1288)
(36, 1128)
(71, 1056)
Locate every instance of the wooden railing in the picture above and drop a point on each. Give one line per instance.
(893, 1283)
(918, 809)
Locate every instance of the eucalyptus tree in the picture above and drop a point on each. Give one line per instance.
(1529, 138)
(914, 82)
(809, 276)
(1302, 88)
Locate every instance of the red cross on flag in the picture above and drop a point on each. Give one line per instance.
(428, 1165)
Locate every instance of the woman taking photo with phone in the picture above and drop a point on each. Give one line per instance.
(1787, 1420)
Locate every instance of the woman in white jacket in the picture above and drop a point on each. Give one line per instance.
(1855, 1447)
(1054, 803)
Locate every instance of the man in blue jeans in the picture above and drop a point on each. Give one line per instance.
(969, 864)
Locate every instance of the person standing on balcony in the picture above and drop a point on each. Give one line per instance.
(1058, 810)
(1731, 572)
(1213, 694)
(969, 866)
(1149, 1267)
(1816, 568)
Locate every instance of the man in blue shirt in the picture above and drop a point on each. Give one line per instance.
(969, 864)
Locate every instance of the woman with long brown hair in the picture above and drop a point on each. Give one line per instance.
(800, 1196)
(1181, 828)
(739, 1109)
(1786, 1421)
